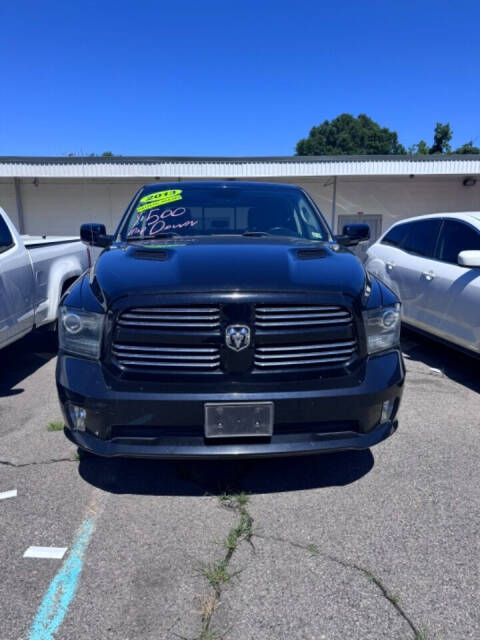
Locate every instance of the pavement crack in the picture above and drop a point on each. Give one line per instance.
(390, 597)
(217, 574)
(9, 463)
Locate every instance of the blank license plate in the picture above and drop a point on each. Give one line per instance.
(238, 419)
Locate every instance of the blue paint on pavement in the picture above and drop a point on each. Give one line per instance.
(61, 591)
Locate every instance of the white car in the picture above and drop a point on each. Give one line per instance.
(34, 273)
(433, 264)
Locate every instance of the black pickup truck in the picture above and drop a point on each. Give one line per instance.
(224, 320)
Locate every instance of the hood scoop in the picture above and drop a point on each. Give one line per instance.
(311, 254)
(158, 255)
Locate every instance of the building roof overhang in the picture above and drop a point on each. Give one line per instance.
(158, 167)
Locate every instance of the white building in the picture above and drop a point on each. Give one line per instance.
(55, 195)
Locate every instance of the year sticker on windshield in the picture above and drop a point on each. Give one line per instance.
(159, 198)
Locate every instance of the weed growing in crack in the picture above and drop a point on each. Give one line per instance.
(55, 425)
(313, 549)
(208, 609)
(209, 635)
(391, 597)
(217, 574)
(244, 530)
(241, 499)
(231, 541)
(424, 635)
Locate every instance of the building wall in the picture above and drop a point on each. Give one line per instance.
(7, 199)
(59, 206)
(394, 198)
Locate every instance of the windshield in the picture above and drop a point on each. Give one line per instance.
(222, 210)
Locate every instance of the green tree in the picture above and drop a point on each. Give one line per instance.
(347, 135)
(467, 148)
(441, 138)
(420, 149)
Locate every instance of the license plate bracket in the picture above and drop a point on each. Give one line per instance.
(238, 419)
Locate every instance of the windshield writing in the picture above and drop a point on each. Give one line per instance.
(224, 210)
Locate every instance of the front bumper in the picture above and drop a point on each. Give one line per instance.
(141, 421)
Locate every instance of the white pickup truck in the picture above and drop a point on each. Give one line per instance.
(34, 273)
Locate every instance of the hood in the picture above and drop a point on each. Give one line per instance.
(222, 264)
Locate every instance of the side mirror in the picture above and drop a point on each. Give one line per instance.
(95, 235)
(353, 234)
(469, 258)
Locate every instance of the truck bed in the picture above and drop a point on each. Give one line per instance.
(32, 242)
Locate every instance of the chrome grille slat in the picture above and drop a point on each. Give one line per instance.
(176, 310)
(191, 325)
(301, 347)
(315, 315)
(183, 318)
(290, 363)
(192, 365)
(294, 323)
(127, 348)
(167, 316)
(312, 354)
(294, 309)
(160, 357)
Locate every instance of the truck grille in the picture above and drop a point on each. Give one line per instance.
(198, 317)
(274, 317)
(159, 357)
(191, 339)
(304, 355)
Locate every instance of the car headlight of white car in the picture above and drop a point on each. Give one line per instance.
(382, 326)
(80, 332)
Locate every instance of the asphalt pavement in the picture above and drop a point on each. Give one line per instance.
(379, 544)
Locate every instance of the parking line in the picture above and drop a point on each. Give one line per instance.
(54, 553)
(8, 494)
(62, 589)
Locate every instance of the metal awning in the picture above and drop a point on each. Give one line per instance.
(254, 167)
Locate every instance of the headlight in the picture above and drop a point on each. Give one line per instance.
(382, 326)
(80, 332)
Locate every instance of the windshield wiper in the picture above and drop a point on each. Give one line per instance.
(256, 233)
(163, 234)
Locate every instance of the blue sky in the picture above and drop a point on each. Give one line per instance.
(147, 77)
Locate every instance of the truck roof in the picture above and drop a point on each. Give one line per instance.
(220, 183)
